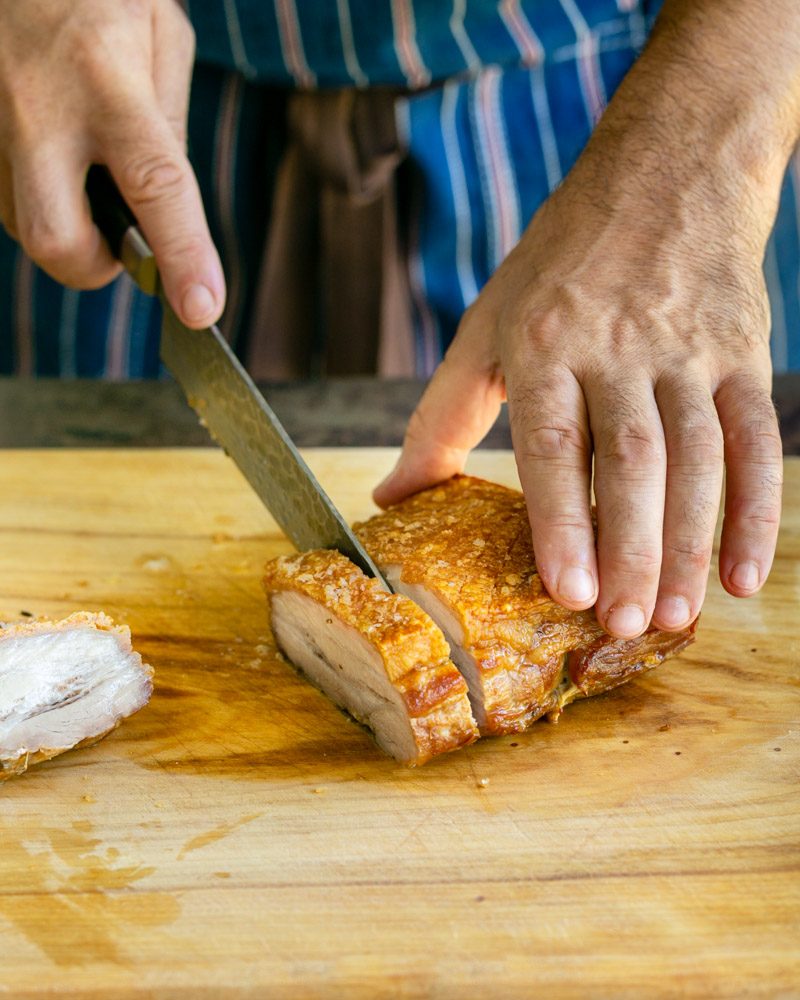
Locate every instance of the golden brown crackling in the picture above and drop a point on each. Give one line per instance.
(424, 688)
(412, 648)
(608, 662)
(79, 619)
(468, 541)
(406, 638)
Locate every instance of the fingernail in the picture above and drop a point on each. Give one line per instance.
(576, 584)
(745, 576)
(673, 611)
(626, 621)
(198, 304)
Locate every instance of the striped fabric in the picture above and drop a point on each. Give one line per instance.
(340, 43)
(502, 98)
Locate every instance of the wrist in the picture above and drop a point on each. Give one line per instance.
(704, 117)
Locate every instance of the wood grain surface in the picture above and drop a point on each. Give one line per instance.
(241, 837)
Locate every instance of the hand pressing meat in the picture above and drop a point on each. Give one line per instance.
(628, 330)
(64, 685)
(373, 653)
(462, 551)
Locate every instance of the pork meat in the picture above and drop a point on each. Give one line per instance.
(64, 685)
(462, 552)
(375, 654)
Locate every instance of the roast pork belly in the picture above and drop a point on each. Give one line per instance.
(375, 654)
(63, 685)
(462, 552)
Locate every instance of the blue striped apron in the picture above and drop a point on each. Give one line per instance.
(502, 97)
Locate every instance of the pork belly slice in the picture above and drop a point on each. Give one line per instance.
(64, 685)
(374, 654)
(462, 551)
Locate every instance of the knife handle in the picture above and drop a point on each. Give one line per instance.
(120, 229)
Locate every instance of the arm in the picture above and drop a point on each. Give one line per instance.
(88, 81)
(630, 325)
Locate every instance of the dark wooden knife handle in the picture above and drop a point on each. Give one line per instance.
(110, 212)
(118, 224)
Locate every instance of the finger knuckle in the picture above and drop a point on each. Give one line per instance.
(563, 523)
(688, 553)
(631, 445)
(756, 515)
(547, 324)
(695, 456)
(90, 56)
(554, 440)
(96, 48)
(153, 177)
(748, 415)
(696, 441)
(180, 248)
(47, 245)
(757, 435)
(539, 324)
(640, 562)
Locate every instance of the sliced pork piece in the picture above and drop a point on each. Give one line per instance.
(375, 654)
(63, 685)
(462, 551)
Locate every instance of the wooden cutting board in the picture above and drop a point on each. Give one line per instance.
(241, 837)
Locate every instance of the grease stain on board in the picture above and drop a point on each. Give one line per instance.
(218, 832)
(64, 897)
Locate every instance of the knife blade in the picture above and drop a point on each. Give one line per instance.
(226, 399)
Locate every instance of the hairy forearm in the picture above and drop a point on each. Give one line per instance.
(742, 59)
(712, 105)
(743, 56)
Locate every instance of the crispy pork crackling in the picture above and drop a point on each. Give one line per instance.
(64, 685)
(462, 552)
(375, 654)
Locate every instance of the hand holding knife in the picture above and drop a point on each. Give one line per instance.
(226, 399)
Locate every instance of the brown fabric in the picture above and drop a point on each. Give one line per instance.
(333, 296)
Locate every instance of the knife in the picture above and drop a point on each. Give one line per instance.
(226, 399)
